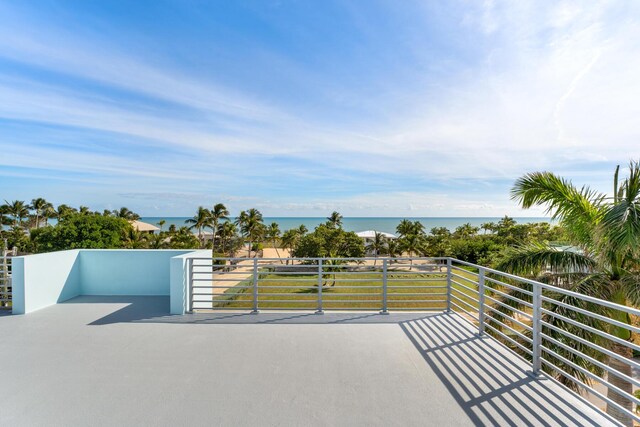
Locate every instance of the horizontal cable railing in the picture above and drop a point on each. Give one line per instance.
(318, 284)
(571, 337)
(567, 335)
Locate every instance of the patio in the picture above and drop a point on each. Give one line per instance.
(127, 361)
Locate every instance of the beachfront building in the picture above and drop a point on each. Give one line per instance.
(144, 227)
(369, 235)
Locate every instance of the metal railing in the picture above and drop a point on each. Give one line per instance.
(317, 284)
(562, 334)
(5, 282)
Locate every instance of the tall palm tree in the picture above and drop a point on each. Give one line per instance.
(272, 233)
(218, 213)
(289, 241)
(199, 221)
(487, 226)
(84, 210)
(40, 206)
(127, 214)
(378, 245)
(335, 219)
(602, 262)
(227, 233)
(17, 209)
(62, 211)
(161, 223)
(411, 244)
(251, 226)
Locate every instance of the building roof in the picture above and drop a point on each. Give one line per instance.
(370, 234)
(143, 226)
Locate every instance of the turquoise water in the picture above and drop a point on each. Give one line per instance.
(385, 224)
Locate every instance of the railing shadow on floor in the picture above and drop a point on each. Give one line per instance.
(487, 381)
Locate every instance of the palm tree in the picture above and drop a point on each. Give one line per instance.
(393, 248)
(40, 206)
(62, 211)
(466, 231)
(251, 226)
(201, 220)
(18, 210)
(335, 219)
(127, 214)
(302, 230)
(227, 233)
(84, 210)
(289, 241)
(378, 245)
(272, 233)
(161, 223)
(412, 244)
(218, 213)
(488, 226)
(602, 262)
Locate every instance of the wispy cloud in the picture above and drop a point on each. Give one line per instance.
(437, 117)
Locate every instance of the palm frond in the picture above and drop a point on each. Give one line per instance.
(537, 258)
(579, 210)
(619, 231)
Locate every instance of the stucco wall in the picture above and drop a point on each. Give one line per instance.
(45, 279)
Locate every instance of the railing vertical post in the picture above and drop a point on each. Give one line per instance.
(190, 285)
(255, 285)
(481, 273)
(537, 328)
(448, 285)
(319, 310)
(384, 287)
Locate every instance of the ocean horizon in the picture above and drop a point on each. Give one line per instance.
(384, 224)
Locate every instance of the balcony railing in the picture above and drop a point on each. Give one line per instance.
(564, 335)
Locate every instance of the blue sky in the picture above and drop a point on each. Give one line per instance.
(299, 108)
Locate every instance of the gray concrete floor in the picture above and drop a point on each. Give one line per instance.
(125, 361)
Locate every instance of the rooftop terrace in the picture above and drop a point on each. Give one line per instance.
(104, 360)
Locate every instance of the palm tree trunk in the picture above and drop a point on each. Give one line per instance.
(626, 386)
(277, 253)
(249, 251)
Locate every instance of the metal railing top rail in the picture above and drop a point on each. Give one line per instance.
(605, 303)
(381, 258)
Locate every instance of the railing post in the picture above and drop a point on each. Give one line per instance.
(319, 310)
(537, 329)
(481, 274)
(384, 287)
(255, 286)
(449, 285)
(190, 285)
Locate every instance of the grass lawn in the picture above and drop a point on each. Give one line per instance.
(363, 291)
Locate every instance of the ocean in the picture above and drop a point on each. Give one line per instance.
(385, 224)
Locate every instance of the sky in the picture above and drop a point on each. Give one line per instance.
(300, 108)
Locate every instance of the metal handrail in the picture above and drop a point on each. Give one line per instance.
(514, 310)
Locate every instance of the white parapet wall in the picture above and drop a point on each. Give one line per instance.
(45, 279)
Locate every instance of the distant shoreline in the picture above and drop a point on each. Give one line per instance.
(385, 224)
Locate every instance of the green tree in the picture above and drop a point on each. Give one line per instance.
(127, 214)
(18, 210)
(40, 206)
(218, 213)
(327, 241)
(378, 245)
(601, 260)
(251, 226)
(289, 241)
(335, 219)
(161, 224)
(201, 220)
(80, 231)
(273, 234)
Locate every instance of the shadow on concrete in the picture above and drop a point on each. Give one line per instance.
(155, 309)
(488, 382)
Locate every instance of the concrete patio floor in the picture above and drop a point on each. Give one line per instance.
(125, 361)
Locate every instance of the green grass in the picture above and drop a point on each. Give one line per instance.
(364, 294)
